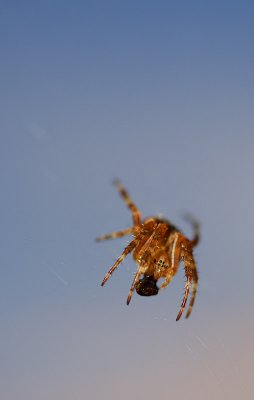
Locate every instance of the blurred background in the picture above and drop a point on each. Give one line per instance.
(160, 95)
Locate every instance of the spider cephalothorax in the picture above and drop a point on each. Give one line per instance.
(158, 248)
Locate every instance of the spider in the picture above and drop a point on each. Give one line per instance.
(158, 248)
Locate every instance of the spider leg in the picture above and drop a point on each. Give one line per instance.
(191, 276)
(136, 278)
(185, 297)
(114, 235)
(140, 271)
(136, 215)
(194, 288)
(167, 280)
(174, 250)
(126, 251)
(196, 229)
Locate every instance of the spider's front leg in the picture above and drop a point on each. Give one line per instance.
(126, 251)
(135, 280)
(194, 285)
(191, 277)
(174, 256)
(141, 267)
(185, 297)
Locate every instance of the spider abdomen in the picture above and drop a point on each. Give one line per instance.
(146, 286)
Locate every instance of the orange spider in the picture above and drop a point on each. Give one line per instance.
(158, 247)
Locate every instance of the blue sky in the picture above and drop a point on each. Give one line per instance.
(159, 94)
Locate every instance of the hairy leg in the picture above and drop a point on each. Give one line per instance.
(141, 268)
(135, 280)
(114, 235)
(136, 216)
(174, 250)
(191, 276)
(185, 297)
(187, 257)
(196, 229)
(126, 251)
(194, 288)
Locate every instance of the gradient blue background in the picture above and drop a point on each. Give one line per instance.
(159, 94)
